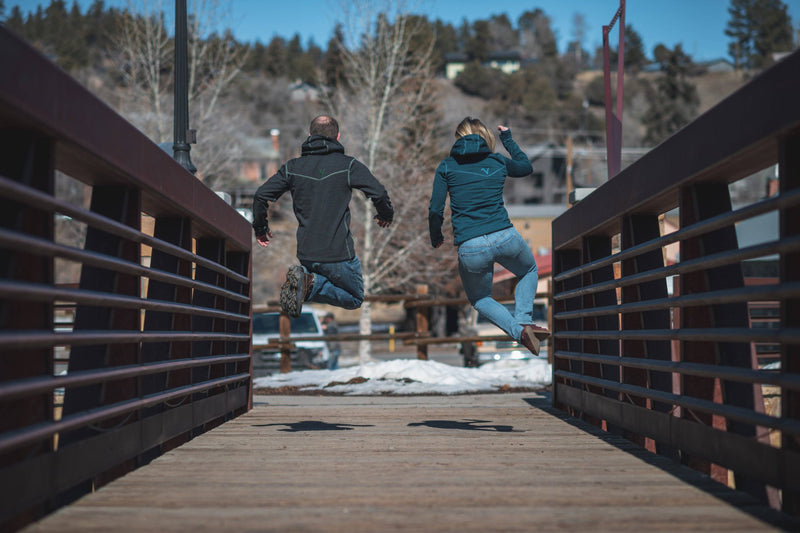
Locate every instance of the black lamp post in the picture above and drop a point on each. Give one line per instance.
(183, 135)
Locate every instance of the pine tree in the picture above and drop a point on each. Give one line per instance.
(478, 43)
(758, 28)
(276, 62)
(739, 31)
(15, 20)
(773, 30)
(333, 63)
(536, 37)
(635, 57)
(676, 101)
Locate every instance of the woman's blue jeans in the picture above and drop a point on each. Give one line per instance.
(338, 284)
(476, 259)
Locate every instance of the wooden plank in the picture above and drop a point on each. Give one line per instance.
(464, 463)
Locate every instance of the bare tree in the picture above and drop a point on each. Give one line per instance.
(389, 119)
(146, 58)
(144, 54)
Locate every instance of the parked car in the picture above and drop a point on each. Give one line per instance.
(306, 354)
(476, 354)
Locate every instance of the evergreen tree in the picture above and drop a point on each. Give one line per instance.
(536, 37)
(2, 10)
(446, 37)
(446, 42)
(15, 20)
(94, 25)
(478, 44)
(635, 57)
(276, 58)
(256, 55)
(676, 101)
(758, 28)
(300, 64)
(35, 30)
(477, 80)
(72, 50)
(501, 34)
(773, 30)
(739, 31)
(333, 64)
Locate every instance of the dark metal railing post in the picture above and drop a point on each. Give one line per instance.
(181, 146)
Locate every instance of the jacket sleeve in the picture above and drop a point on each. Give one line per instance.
(269, 191)
(519, 165)
(362, 179)
(436, 208)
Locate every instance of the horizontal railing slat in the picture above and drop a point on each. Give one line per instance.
(790, 199)
(37, 432)
(748, 293)
(21, 242)
(743, 375)
(28, 387)
(38, 292)
(783, 335)
(26, 339)
(730, 412)
(787, 245)
(44, 201)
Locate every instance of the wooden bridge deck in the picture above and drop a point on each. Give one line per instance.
(466, 463)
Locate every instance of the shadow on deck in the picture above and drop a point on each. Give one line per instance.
(487, 462)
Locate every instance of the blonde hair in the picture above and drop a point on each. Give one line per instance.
(470, 125)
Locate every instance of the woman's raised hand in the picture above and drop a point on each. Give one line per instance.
(501, 129)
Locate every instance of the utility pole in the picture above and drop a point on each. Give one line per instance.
(569, 168)
(182, 134)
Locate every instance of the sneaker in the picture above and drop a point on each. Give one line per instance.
(540, 332)
(529, 340)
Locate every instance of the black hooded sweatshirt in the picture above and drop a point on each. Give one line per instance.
(321, 181)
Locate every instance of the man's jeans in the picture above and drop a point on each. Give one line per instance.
(476, 258)
(337, 284)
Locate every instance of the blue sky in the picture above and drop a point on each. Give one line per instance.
(698, 24)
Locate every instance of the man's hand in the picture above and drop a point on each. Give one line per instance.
(263, 240)
(383, 223)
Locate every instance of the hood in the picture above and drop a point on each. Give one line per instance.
(319, 145)
(470, 147)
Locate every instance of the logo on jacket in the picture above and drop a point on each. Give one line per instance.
(485, 170)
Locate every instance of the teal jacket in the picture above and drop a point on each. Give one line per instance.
(474, 177)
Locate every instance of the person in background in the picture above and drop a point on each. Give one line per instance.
(321, 182)
(332, 328)
(473, 175)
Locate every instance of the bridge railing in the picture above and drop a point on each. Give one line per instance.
(666, 351)
(124, 294)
